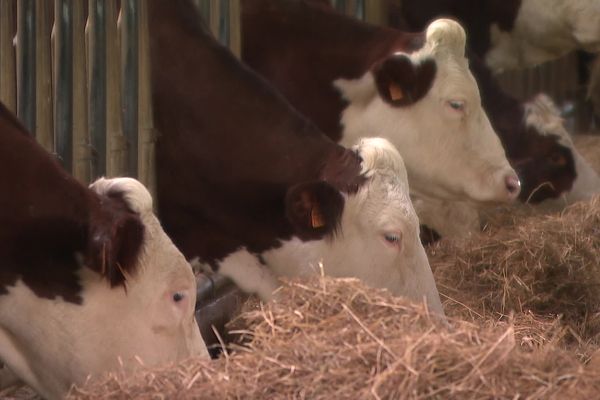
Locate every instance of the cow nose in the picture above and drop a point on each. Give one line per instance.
(513, 185)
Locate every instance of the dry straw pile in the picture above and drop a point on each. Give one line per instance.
(548, 264)
(337, 339)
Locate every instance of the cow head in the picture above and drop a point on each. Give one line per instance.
(133, 311)
(378, 236)
(550, 167)
(427, 103)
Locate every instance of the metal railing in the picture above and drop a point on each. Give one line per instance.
(372, 11)
(77, 74)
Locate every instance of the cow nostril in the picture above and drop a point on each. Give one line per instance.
(513, 185)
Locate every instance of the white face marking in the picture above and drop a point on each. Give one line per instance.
(446, 140)
(380, 210)
(143, 323)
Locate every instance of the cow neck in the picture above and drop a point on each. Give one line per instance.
(246, 144)
(43, 217)
(314, 46)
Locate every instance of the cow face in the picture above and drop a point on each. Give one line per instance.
(427, 103)
(378, 238)
(147, 320)
(553, 167)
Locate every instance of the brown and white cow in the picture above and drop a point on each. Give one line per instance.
(552, 168)
(413, 89)
(89, 282)
(511, 34)
(253, 189)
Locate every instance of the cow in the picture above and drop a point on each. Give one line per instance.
(254, 190)
(547, 155)
(413, 89)
(89, 281)
(512, 34)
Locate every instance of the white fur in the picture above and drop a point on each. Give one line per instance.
(543, 114)
(448, 154)
(246, 271)
(113, 328)
(382, 206)
(545, 30)
(460, 219)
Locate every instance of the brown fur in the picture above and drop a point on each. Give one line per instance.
(315, 46)
(233, 153)
(48, 220)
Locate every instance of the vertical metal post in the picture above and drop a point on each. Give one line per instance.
(63, 83)
(26, 58)
(116, 143)
(235, 34)
(129, 85)
(147, 134)
(96, 61)
(43, 75)
(8, 88)
(82, 158)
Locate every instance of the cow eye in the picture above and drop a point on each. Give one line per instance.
(178, 296)
(457, 105)
(392, 239)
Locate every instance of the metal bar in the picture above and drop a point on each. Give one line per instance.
(82, 156)
(376, 12)
(96, 61)
(129, 83)
(43, 76)
(116, 143)
(235, 35)
(26, 55)
(63, 87)
(223, 22)
(147, 134)
(8, 88)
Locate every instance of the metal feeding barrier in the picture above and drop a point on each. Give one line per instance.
(77, 75)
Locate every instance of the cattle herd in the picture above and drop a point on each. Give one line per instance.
(330, 147)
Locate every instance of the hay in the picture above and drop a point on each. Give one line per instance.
(548, 264)
(337, 339)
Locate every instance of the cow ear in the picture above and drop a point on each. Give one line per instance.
(116, 229)
(115, 242)
(401, 82)
(314, 209)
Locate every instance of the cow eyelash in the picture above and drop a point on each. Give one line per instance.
(391, 238)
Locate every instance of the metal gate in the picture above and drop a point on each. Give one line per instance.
(76, 73)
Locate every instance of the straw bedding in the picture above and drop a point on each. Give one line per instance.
(523, 302)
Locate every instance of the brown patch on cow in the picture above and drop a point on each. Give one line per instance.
(285, 40)
(343, 170)
(50, 224)
(545, 167)
(115, 240)
(399, 75)
(314, 209)
(224, 175)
